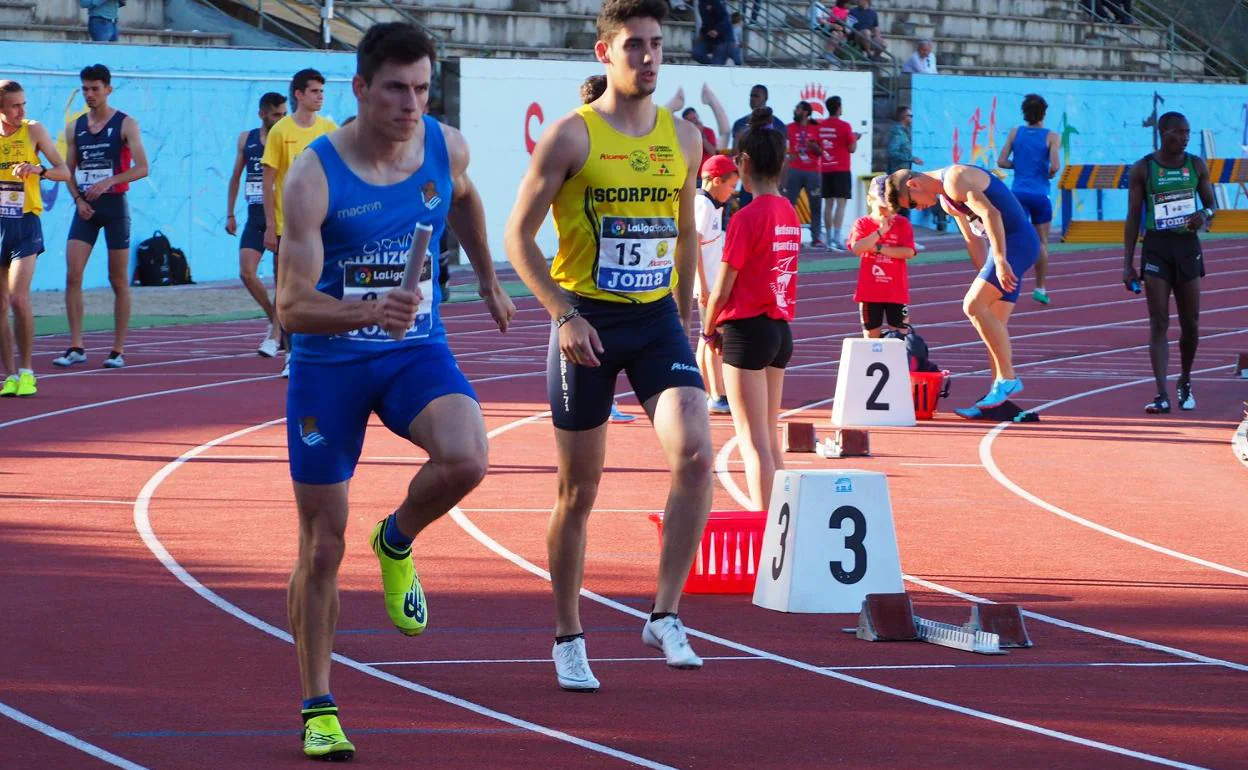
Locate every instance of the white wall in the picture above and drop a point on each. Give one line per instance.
(504, 104)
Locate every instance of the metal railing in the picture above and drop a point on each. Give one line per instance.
(1178, 38)
(356, 16)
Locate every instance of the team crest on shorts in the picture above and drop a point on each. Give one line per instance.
(309, 434)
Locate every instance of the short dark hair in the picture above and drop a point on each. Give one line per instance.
(10, 87)
(764, 144)
(593, 87)
(272, 99)
(393, 41)
(301, 80)
(901, 112)
(761, 87)
(896, 182)
(1163, 123)
(96, 72)
(833, 104)
(685, 112)
(1034, 108)
(614, 13)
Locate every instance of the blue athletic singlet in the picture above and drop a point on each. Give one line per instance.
(367, 234)
(1013, 218)
(101, 155)
(253, 179)
(1031, 160)
(1022, 245)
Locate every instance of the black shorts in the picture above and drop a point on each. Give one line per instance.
(838, 184)
(252, 236)
(647, 342)
(112, 215)
(20, 237)
(757, 343)
(1173, 257)
(874, 313)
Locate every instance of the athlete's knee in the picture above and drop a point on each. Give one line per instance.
(577, 496)
(73, 276)
(1158, 324)
(323, 553)
(247, 274)
(117, 280)
(19, 302)
(693, 461)
(971, 308)
(467, 472)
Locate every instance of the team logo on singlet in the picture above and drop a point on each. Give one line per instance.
(432, 199)
(309, 434)
(638, 161)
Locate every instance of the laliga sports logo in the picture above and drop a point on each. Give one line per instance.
(816, 95)
(617, 227)
(363, 276)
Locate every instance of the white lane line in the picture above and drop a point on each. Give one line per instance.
(143, 524)
(757, 659)
(939, 465)
(480, 536)
(63, 500)
(103, 755)
(985, 455)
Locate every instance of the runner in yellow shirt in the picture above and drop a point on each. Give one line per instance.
(21, 233)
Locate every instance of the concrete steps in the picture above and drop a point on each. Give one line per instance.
(130, 35)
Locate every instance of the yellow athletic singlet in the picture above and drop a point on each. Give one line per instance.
(617, 218)
(17, 196)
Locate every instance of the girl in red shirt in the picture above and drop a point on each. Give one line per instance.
(752, 303)
(884, 241)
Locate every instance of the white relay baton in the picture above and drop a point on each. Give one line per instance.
(415, 264)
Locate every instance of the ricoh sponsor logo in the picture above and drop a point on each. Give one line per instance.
(355, 211)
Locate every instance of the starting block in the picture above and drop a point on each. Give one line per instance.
(1241, 368)
(799, 437)
(847, 442)
(1006, 412)
(891, 618)
(1004, 620)
(829, 542)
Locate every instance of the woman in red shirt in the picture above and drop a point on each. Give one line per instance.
(752, 303)
(884, 241)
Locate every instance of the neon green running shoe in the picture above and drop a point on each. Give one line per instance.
(405, 599)
(323, 739)
(26, 384)
(10, 386)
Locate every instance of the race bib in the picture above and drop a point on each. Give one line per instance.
(1171, 210)
(367, 280)
(636, 254)
(977, 226)
(89, 176)
(254, 192)
(12, 201)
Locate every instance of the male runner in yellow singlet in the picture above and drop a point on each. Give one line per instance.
(620, 175)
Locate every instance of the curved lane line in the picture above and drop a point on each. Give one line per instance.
(103, 755)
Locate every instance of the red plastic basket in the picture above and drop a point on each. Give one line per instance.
(727, 560)
(926, 387)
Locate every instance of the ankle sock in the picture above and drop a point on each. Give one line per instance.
(319, 706)
(393, 536)
(569, 638)
(660, 615)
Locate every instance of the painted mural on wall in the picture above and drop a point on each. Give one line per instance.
(962, 119)
(191, 105)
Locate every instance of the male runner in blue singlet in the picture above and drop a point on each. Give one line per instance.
(251, 243)
(361, 192)
(1032, 151)
(992, 222)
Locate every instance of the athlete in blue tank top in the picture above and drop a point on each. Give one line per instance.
(248, 170)
(1031, 150)
(993, 223)
(362, 191)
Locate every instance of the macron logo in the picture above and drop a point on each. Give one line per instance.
(679, 367)
(356, 211)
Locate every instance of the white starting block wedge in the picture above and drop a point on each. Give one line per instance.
(873, 384)
(829, 542)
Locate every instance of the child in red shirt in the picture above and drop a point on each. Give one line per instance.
(884, 241)
(753, 301)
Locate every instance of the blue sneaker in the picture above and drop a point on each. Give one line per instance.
(618, 416)
(1001, 391)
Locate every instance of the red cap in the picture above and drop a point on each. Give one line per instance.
(718, 166)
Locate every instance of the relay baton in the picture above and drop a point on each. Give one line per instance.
(415, 264)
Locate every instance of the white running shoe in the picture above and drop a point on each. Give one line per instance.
(572, 666)
(668, 634)
(115, 360)
(71, 357)
(920, 247)
(286, 369)
(268, 348)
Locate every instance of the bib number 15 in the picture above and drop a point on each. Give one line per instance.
(629, 253)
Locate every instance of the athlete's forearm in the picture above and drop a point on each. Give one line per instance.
(467, 220)
(231, 196)
(978, 250)
(304, 310)
(270, 206)
(57, 172)
(132, 174)
(686, 265)
(527, 260)
(1130, 234)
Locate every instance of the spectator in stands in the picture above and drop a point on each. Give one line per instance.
(867, 29)
(713, 44)
(738, 37)
(922, 61)
(1120, 9)
(102, 19)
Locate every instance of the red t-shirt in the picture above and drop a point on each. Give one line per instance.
(763, 241)
(800, 156)
(710, 137)
(835, 136)
(881, 278)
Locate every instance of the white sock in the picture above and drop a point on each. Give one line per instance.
(20, 372)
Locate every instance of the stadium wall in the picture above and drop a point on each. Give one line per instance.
(965, 119)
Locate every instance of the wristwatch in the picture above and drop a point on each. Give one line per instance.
(879, 247)
(41, 170)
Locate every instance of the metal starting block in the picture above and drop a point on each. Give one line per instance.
(891, 618)
(799, 437)
(847, 442)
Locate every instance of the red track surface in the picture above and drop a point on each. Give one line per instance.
(104, 642)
